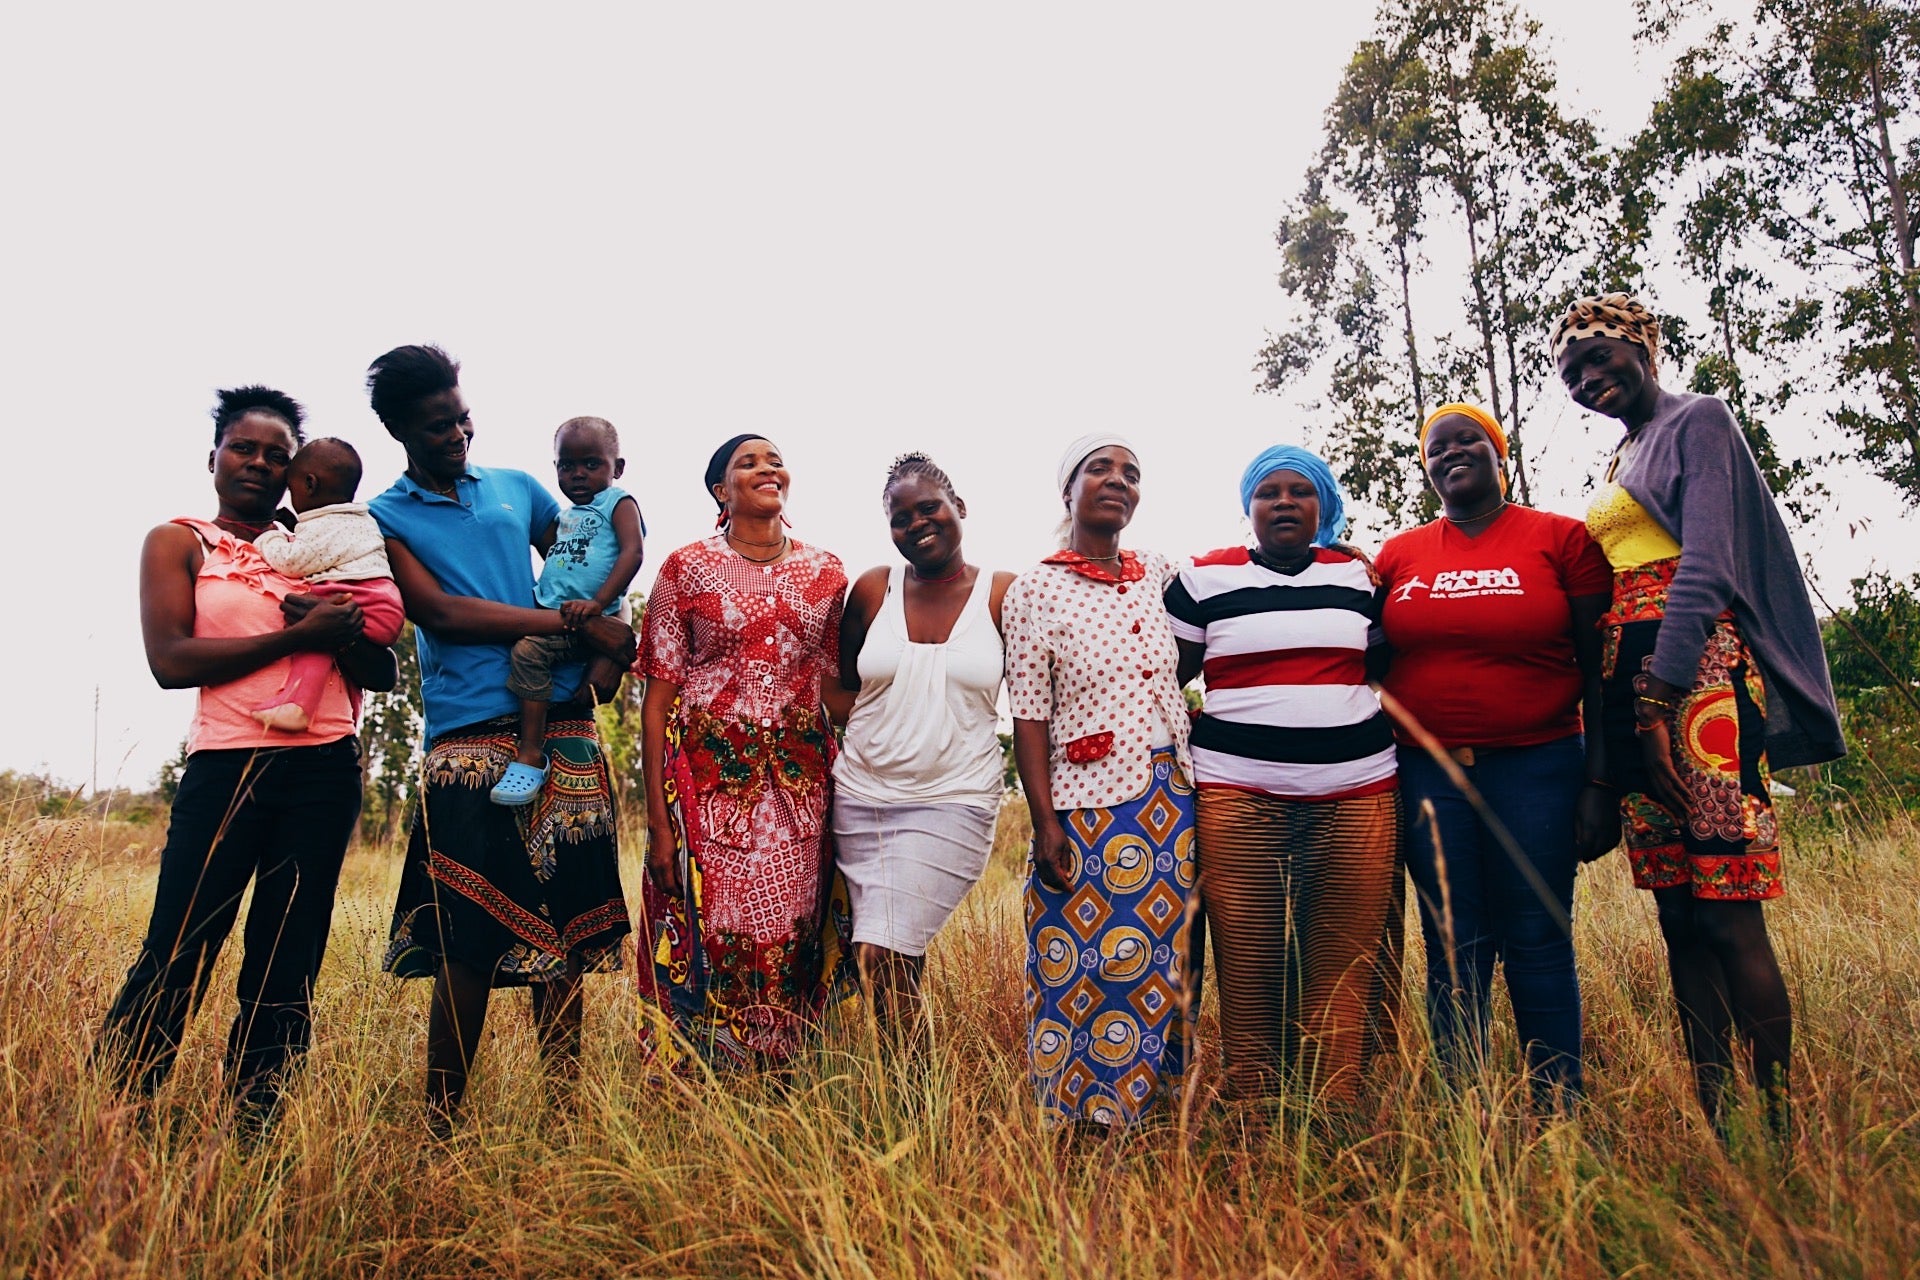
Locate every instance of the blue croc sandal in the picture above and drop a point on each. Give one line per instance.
(518, 785)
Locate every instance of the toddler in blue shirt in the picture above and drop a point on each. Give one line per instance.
(594, 552)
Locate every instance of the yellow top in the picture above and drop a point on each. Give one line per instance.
(1625, 531)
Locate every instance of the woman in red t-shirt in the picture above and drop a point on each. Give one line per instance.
(1490, 616)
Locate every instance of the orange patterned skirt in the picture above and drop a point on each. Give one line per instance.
(1726, 846)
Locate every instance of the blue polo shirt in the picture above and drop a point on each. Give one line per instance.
(474, 544)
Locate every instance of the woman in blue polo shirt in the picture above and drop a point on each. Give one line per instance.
(490, 896)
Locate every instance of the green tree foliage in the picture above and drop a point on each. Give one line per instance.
(1787, 148)
(167, 782)
(619, 723)
(389, 740)
(1873, 648)
(1446, 137)
(1875, 643)
(26, 795)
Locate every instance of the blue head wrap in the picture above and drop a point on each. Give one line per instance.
(1291, 457)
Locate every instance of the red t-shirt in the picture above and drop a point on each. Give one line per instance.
(1481, 630)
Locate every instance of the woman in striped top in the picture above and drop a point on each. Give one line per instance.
(1299, 815)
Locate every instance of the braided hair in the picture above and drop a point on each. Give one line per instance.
(909, 465)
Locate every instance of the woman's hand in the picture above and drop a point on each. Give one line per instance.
(325, 624)
(663, 856)
(1655, 705)
(1052, 855)
(1596, 822)
(605, 634)
(1656, 746)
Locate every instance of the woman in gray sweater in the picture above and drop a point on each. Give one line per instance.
(1714, 672)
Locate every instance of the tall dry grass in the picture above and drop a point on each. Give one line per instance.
(868, 1164)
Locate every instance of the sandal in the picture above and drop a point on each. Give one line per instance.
(519, 784)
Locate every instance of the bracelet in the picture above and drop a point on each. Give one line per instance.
(1652, 701)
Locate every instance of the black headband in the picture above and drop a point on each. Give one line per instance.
(717, 465)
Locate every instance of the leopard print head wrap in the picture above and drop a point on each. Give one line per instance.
(1609, 315)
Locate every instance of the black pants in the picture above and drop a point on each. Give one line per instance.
(280, 817)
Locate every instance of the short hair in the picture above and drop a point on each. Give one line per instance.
(407, 375)
(350, 465)
(908, 465)
(237, 402)
(589, 424)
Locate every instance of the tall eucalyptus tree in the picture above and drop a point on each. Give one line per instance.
(1448, 168)
(1788, 143)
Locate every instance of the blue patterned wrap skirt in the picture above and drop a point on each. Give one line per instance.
(1112, 983)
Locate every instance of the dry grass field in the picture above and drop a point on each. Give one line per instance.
(865, 1164)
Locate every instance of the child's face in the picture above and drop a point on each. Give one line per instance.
(584, 464)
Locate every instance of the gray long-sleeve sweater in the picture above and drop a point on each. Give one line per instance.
(1690, 467)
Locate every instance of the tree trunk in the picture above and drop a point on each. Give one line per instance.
(1516, 455)
(1903, 245)
(1481, 315)
(1406, 317)
(1903, 231)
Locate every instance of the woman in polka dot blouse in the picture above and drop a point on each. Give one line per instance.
(1100, 741)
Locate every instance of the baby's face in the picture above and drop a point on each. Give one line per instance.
(584, 464)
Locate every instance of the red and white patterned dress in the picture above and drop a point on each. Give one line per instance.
(737, 961)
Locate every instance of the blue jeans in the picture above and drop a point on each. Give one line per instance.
(1489, 911)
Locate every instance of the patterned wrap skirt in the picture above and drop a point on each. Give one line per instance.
(738, 970)
(1307, 907)
(1726, 846)
(521, 893)
(1113, 981)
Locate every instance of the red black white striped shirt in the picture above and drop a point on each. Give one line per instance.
(1288, 711)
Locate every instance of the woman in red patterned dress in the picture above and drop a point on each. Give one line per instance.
(740, 631)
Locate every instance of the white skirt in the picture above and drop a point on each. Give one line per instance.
(908, 865)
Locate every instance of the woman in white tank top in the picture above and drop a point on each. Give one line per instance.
(918, 782)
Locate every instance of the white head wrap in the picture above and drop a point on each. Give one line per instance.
(1082, 449)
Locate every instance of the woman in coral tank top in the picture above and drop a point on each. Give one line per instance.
(254, 804)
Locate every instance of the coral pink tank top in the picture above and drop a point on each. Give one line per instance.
(238, 594)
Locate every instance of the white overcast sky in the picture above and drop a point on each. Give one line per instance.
(978, 230)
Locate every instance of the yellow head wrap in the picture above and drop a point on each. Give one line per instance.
(1480, 418)
(1610, 315)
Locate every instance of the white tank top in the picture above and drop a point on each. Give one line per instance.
(922, 728)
